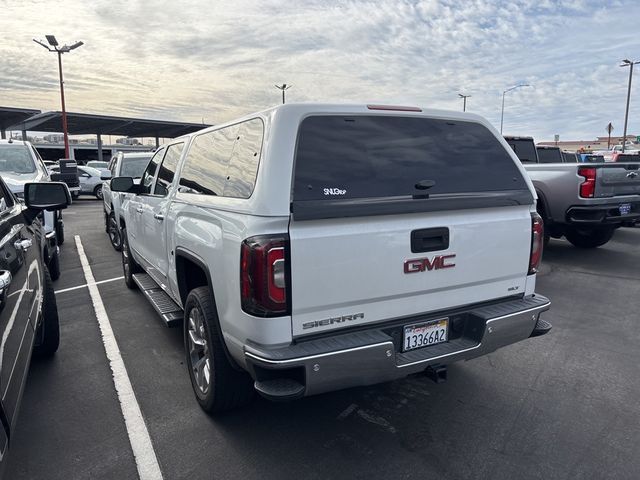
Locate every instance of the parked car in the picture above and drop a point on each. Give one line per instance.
(28, 312)
(67, 172)
(20, 164)
(127, 165)
(549, 154)
(91, 180)
(103, 167)
(98, 164)
(584, 202)
(310, 248)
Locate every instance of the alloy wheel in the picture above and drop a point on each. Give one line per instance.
(199, 356)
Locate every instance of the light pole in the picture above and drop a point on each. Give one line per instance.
(503, 94)
(283, 87)
(630, 64)
(464, 104)
(53, 47)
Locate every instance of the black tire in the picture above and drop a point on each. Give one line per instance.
(129, 265)
(589, 237)
(106, 221)
(49, 330)
(59, 231)
(54, 266)
(98, 192)
(227, 388)
(115, 237)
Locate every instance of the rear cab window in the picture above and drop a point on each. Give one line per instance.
(549, 155)
(350, 158)
(524, 148)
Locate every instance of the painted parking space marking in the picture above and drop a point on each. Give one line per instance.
(143, 452)
(86, 285)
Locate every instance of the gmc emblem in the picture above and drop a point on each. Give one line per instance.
(421, 264)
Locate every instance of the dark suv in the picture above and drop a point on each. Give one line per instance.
(28, 312)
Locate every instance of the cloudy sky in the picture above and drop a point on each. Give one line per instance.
(215, 60)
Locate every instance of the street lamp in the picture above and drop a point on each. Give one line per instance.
(464, 104)
(503, 94)
(283, 87)
(53, 47)
(630, 64)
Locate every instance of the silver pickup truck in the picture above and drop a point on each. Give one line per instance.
(584, 202)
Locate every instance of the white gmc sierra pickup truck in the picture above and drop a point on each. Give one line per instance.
(309, 248)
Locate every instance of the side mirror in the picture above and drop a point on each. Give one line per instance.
(46, 196)
(105, 176)
(121, 184)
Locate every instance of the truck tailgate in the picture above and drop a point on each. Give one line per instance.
(354, 271)
(615, 179)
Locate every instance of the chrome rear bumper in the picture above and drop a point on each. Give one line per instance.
(372, 356)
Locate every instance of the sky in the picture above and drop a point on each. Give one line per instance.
(199, 60)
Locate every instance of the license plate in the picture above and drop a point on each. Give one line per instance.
(425, 334)
(625, 208)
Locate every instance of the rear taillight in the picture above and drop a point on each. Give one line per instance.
(264, 275)
(537, 243)
(588, 186)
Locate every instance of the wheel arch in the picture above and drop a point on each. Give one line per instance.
(192, 272)
(542, 202)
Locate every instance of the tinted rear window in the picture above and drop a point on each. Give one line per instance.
(384, 156)
(569, 157)
(549, 155)
(624, 157)
(593, 159)
(525, 150)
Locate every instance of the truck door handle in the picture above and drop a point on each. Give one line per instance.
(138, 209)
(429, 239)
(23, 244)
(158, 216)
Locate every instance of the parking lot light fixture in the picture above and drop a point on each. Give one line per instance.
(503, 94)
(627, 63)
(54, 47)
(464, 104)
(284, 87)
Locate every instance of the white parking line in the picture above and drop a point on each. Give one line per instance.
(86, 285)
(145, 456)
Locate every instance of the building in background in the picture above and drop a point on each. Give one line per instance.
(599, 143)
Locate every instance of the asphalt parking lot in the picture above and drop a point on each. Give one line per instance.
(560, 406)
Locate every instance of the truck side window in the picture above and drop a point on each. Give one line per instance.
(205, 168)
(243, 166)
(168, 169)
(150, 173)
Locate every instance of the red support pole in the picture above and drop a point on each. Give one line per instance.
(64, 112)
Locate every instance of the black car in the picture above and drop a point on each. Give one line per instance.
(28, 312)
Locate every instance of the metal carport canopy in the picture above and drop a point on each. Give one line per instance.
(10, 116)
(87, 123)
